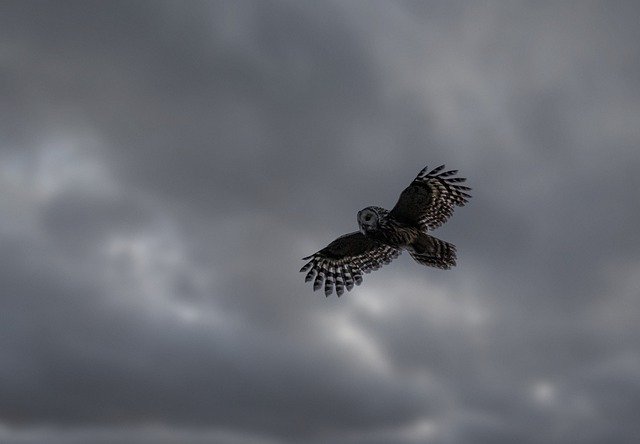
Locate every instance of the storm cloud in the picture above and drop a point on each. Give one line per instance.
(165, 165)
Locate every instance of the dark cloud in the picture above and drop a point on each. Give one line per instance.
(165, 166)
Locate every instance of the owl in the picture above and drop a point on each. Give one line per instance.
(424, 205)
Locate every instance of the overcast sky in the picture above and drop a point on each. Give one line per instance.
(165, 165)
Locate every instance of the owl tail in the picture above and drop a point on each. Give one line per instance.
(433, 252)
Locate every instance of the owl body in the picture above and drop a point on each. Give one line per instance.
(424, 205)
(385, 229)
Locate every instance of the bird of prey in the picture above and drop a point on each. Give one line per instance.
(424, 205)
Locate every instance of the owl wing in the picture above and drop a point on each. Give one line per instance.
(430, 199)
(342, 262)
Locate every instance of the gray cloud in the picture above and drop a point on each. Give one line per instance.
(165, 166)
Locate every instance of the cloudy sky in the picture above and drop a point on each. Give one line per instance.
(165, 165)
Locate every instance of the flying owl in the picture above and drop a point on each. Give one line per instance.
(424, 205)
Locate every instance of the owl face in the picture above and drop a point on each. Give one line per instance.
(368, 220)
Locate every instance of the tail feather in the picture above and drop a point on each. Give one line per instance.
(433, 252)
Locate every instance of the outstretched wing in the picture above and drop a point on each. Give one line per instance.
(429, 200)
(342, 262)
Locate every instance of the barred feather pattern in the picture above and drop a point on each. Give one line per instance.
(340, 273)
(440, 254)
(446, 193)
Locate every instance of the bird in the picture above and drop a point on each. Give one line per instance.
(426, 204)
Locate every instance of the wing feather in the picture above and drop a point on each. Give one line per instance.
(429, 200)
(340, 264)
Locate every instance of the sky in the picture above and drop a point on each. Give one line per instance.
(164, 166)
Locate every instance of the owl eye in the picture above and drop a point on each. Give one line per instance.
(367, 217)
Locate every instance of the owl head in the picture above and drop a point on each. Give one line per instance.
(368, 220)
